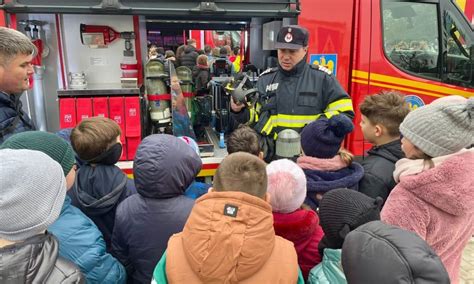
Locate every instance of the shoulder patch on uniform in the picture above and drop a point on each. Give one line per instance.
(268, 71)
(321, 68)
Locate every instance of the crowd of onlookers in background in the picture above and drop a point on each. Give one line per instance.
(204, 64)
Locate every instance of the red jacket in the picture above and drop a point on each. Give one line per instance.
(302, 228)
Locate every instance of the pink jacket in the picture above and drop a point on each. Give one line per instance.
(437, 204)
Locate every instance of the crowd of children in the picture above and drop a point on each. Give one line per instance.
(401, 215)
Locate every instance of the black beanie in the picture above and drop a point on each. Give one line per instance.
(343, 210)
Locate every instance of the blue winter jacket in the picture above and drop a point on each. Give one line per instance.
(12, 118)
(81, 242)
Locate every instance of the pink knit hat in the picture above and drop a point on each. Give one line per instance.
(286, 186)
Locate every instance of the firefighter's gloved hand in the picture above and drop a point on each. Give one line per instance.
(236, 107)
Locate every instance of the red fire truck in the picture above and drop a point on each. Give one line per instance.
(423, 48)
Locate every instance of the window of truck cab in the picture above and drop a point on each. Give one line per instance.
(411, 32)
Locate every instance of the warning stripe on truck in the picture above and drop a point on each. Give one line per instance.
(406, 85)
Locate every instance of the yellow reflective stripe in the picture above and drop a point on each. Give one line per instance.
(268, 126)
(252, 115)
(329, 114)
(298, 117)
(340, 105)
(292, 121)
(360, 74)
(408, 85)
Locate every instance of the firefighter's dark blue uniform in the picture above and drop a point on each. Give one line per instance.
(292, 99)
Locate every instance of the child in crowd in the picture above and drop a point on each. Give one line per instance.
(196, 189)
(100, 185)
(244, 139)
(434, 196)
(32, 193)
(80, 241)
(341, 211)
(380, 253)
(381, 117)
(287, 189)
(164, 167)
(201, 75)
(229, 236)
(325, 164)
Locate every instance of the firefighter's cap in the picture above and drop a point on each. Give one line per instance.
(292, 37)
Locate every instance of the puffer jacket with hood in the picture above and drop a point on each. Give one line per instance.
(378, 169)
(438, 205)
(36, 260)
(189, 57)
(380, 253)
(97, 191)
(81, 242)
(164, 167)
(229, 238)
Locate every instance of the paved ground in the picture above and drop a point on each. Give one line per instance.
(467, 264)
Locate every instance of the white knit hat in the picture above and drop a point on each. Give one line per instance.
(441, 128)
(286, 185)
(32, 193)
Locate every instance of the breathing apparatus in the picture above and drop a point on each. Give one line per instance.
(242, 90)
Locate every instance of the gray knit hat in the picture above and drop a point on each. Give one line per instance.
(32, 193)
(441, 128)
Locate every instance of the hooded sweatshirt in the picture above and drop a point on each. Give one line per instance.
(97, 191)
(229, 238)
(438, 205)
(378, 169)
(164, 167)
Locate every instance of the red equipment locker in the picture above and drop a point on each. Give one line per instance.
(132, 125)
(101, 107)
(117, 113)
(83, 108)
(67, 113)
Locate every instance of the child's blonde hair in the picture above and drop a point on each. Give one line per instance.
(346, 156)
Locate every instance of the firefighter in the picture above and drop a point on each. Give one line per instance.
(293, 94)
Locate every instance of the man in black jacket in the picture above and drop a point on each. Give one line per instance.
(16, 54)
(190, 54)
(381, 116)
(293, 94)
